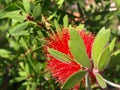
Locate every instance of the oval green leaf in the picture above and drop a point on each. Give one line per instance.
(79, 55)
(65, 21)
(73, 80)
(26, 4)
(22, 33)
(59, 55)
(13, 15)
(18, 28)
(5, 53)
(56, 24)
(104, 59)
(99, 44)
(100, 81)
(37, 11)
(60, 2)
(34, 86)
(112, 44)
(18, 79)
(76, 38)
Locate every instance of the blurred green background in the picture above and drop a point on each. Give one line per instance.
(24, 24)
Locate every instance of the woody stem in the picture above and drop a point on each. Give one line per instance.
(112, 84)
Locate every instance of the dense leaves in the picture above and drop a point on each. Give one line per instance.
(99, 44)
(25, 24)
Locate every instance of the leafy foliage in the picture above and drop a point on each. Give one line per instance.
(24, 25)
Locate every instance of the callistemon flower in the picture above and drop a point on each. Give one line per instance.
(59, 41)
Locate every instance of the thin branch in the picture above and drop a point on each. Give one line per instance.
(112, 84)
(87, 82)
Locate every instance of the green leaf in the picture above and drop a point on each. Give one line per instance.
(27, 68)
(59, 55)
(13, 15)
(22, 73)
(79, 55)
(23, 43)
(117, 3)
(100, 81)
(31, 65)
(20, 5)
(16, 45)
(65, 21)
(11, 7)
(112, 44)
(56, 24)
(52, 16)
(28, 87)
(115, 59)
(5, 53)
(76, 38)
(37, 11)
(104, 59)
(34, 86)
(26, 4)
(18, 28)
(99, 44)
(22, 33)
(73, 80)
(60, 2)
(18, 79)
(80, 27)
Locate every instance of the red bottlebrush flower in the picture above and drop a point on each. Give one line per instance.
(62, 71)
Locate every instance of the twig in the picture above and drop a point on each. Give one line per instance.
(112, 84)
(87, 82)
